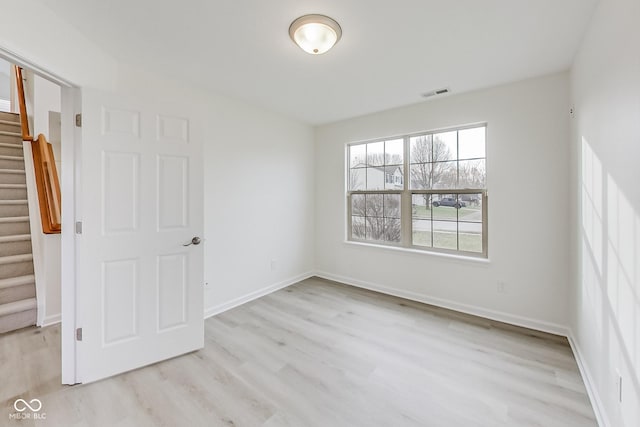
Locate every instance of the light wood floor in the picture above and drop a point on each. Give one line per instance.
(318, 354)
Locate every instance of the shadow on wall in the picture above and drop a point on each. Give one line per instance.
(610, 238)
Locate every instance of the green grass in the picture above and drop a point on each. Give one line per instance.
(447, 240)
(447, 213)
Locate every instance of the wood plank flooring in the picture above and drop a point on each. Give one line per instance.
(318, 353)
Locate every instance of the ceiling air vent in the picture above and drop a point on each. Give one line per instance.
(436, 92)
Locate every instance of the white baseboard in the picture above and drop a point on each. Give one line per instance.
(51, 320)
(525, 322)
(212, 311)
(587, 378)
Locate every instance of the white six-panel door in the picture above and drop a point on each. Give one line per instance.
(140, 290)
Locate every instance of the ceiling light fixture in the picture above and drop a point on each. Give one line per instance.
(315, 34)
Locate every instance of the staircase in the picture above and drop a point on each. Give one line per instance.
(17, 281)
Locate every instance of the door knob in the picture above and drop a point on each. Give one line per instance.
(195, 241)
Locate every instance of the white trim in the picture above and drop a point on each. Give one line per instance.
(71, 192)
(446, 255)
(16, 59)
(526, 322)
(54, 319)
(220, 308)
(587, 379)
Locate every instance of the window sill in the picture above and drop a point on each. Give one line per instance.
(452, 257)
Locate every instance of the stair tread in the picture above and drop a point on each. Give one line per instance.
(17, 306)
(10, 145)
(15, 238)
(13, 202)
(14, 219)
(7, 133)
(10, 259)
(17, 281)
(15, 171)
(5, 186)
(10, 123)
(16, 158)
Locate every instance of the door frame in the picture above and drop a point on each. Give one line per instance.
(69, 182)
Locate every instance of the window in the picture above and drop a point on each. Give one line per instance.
(424, 191)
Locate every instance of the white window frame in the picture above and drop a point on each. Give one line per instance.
(406, 222)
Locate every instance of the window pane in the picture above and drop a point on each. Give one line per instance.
(357, 227)
(471, 143)
(470, 236)
(472, 174)
(421, 176)
(357, 204)
(375, 153)
(393, 177)
(421, 232)
(392, 230)
(392, 205)
(445, 146)
(471, 210)
(444, 175)
(374, 205)
(445, 235)
(375, 178)
(375, 228)
(445, 207)
(420, 149)
(393, 152)
(358, 155)
(421, 206)
(357, 179)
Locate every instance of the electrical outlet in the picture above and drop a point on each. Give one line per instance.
(501, 287)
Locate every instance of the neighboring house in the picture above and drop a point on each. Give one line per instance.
(377, 177)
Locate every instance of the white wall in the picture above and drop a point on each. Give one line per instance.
(605, 86)
(259, 203)
(34, 33)
(527, 174)
(5, 87)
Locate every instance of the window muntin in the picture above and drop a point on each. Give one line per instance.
(377, 166)
(424, 191)
(376, 217)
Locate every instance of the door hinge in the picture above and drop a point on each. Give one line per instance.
(78, 227)
(79, 120)
(79, 334)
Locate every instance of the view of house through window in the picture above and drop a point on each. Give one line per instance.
(424, 191)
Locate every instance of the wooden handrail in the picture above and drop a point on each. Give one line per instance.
(47, 184)
(24, 119)
(44, 166)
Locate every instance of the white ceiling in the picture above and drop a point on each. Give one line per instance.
(390, 52)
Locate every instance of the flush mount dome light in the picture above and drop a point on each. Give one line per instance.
(315, 34)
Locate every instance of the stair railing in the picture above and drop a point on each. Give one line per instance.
(44, 164)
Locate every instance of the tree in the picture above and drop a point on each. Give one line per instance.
(472, 174)
(428, 167)
(376, 217)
